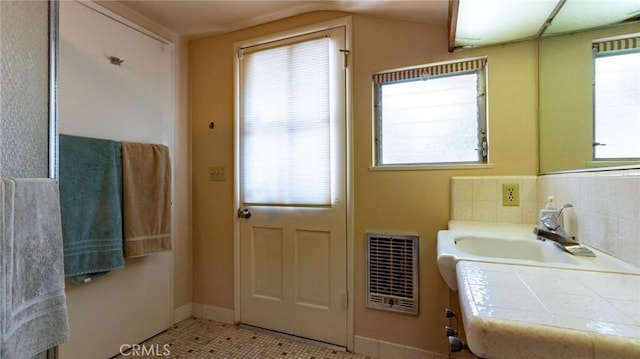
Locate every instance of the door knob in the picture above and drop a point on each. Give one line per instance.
(244, 213)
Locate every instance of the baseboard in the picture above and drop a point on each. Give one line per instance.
(362, 345)
(183, 312)
(209, 312)
(386, 350)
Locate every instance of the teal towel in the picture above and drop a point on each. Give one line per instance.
(91, 206)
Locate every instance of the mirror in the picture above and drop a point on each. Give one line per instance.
(566, 87)
(566, 66)
(28, 97)
(566, 99)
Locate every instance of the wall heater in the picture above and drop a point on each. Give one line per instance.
(392, 272)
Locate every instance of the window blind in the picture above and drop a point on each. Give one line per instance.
(429, 71)
(631, 43)
(285, 144)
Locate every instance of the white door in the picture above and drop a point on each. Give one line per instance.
(132, 101)
(292, 186)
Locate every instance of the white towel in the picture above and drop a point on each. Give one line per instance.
(33, 312)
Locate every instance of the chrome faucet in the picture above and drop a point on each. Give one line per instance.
(553, 231)
(566, 205)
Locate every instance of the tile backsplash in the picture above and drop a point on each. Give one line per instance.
(605, 213)
(479, 199)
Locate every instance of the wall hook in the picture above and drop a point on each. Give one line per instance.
(115, 60)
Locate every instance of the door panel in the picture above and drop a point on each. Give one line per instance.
(313, 271)
(266, 263)
(293, 277)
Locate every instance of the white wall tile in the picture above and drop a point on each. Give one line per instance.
(529, 212)
(462, 210)
(625, 199)
(480, 199)
(484, 189)
(461, 189)
(605, 213)
(627, 245)
(484, 211)
(528, 189)
(508, 214)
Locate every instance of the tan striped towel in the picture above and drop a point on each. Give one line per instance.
(146, 177)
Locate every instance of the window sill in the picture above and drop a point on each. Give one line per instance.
(601, 163)
(445, 166)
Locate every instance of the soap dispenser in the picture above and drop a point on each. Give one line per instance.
(550, 208)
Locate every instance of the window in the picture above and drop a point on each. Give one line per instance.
(616, 99)
(289, 118)
(434, 114)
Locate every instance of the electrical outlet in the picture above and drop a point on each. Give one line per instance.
(216, 174)
(510, 194)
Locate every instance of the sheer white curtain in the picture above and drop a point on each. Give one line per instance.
(285, 144)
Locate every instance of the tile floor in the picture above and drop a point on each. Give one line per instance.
(204, 339)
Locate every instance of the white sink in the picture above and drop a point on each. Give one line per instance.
(512, 249)
(512, 244)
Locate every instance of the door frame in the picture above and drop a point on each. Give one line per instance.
(345, 22)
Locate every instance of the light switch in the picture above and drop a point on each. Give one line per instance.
(216, 174)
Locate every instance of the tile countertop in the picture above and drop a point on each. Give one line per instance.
(512, 311)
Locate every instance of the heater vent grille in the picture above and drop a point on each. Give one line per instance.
(392, 272)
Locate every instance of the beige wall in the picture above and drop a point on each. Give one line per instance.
(182, 255)
(418, 201)
(211, 78)
(395, 201)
